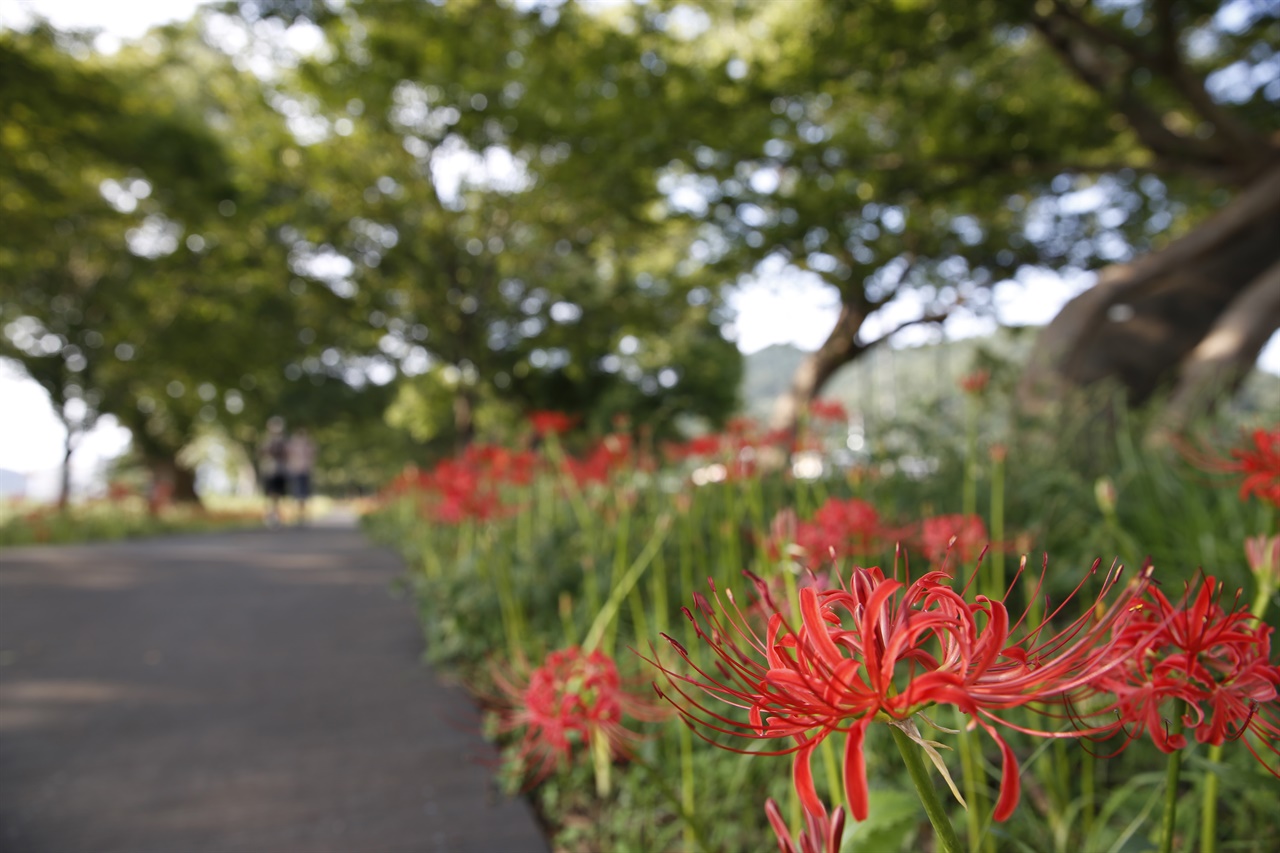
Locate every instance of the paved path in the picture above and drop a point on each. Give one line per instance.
(256, 691)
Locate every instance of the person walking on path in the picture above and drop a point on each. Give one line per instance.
(271, 468)
(299, 459)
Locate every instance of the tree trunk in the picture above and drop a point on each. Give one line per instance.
(464, 426)
(184, 485)
(68, 447)
(1141, 321)
(171, 482)
(840, 348)
(1220, 362)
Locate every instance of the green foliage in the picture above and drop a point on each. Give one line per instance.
(103, 521)
(549, 557)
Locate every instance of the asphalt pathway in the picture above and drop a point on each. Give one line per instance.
(258, 691)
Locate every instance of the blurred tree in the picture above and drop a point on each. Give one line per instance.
(910, 154)
(488, 263)
(168, 195)
(913, 154)
(1193, 87)
(85, 167)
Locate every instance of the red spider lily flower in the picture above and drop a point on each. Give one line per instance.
(963, 535)
(612, 453)
(976, 382)
(572, 699)
(1216, 660)
(1259, 463)
(840, 529)
(544, 422)
(878, 649)
(695, 448)
(830, 411)
(411, 479)
(1260, 466)
(455, 491)
(820, 834)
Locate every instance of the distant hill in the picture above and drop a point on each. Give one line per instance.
(887, 381)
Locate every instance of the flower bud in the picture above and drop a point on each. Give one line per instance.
(1104, 491)
(1263, 555)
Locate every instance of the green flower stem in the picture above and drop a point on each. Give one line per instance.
(1089, 771)
(659, 582)
(1171, 784)
(969, 768)
(997, 528)
(509, 608)
(686, 558)
(1265, 589)
(621, 544)
(969, 496)
(729, 536)
(835, 790)
(933, 807)
(691, 834)
(1209, 806)
(623, 588)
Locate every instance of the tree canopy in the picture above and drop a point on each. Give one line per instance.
(414, 221)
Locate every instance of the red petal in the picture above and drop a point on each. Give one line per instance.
(816, 628)
(1010, 784)
(855, 772)
(803, 774)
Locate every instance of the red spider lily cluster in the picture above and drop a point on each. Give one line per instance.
(829, 411)
(1258, 460)
(739, 447)
(841, 529)
(961, 536)
(574, 698)
(976, 382)
(1216, 660)
(879, 649)
(466, 487)
(554, 423)
(611, 454)
(1260, 466)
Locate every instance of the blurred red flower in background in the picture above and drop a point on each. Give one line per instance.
(840, 529)
(1260, 465)
(828, 410)
(571, 699)
(544, 422)
(975, 382)
(937, 533)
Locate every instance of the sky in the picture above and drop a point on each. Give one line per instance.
(797, 310)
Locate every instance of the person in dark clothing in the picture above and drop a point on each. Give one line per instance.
(271, 468)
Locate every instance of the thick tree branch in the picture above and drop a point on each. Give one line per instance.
(1150, 276)
(1085, 58)
(1191, 85)
(1223, 358)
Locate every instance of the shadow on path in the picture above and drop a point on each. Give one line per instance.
(255, 691)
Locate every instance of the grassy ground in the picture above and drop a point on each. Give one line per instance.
(129, 516)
